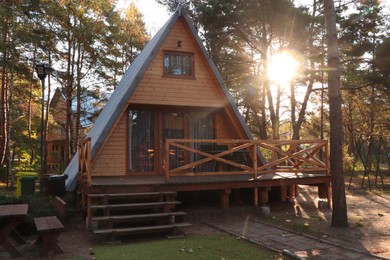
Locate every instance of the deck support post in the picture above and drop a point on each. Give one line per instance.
(264, 195)
(237, 195)
(256, 197)
(291, 191)
(283, 193)
(83, 200)
(324, 193)
(89, 213)
(225, 198)
(166, 161)
(296, 187)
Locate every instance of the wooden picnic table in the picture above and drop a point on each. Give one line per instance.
(49, 229)
(10, 217)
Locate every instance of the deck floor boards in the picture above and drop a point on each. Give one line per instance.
(183, 183)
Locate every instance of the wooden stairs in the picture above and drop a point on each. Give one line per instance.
(118, 214)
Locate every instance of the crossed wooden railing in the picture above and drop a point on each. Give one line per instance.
(84, 175)
(85, 162)
(262, 157)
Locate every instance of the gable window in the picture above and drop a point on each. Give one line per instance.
(179, 64)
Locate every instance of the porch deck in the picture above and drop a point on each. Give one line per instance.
(220, 181)
(289, 164)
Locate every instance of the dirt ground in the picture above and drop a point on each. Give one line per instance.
(368, 215)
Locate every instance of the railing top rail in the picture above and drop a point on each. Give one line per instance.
(280, 142)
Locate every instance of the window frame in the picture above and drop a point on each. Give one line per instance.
(179, 53)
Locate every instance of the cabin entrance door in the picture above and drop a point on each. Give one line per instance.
(185, 125)
(174, 126)
(148, 130)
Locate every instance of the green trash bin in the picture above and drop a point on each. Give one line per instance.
(28, 185)
(18, 176)
(56, 185)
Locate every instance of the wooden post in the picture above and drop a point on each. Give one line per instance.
(225, 198)
(324, 193)
(283, 193)
(254, 154)
(89, 162)
(327, 162)
(291, 191)
(89, 213)
(256, 197)
(88, 169)
(256, 189)
(237, 195)
(264, 195)
(166, 161)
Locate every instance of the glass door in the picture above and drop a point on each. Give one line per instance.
(141, 141)
(174, 128)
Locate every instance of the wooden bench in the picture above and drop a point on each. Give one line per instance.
(49, 229)
(10, 217)
(61, 208)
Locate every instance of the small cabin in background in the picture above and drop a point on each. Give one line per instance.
(56, 147)
(171, 126)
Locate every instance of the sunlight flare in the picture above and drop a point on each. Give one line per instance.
(282, 67)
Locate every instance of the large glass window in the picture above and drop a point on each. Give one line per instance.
(142, 134)
(178, 64)
(173, 128)
(141, 147)
(202, 125)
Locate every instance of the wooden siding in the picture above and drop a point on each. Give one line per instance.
(155, 89)
(223, 128)
(111, 159)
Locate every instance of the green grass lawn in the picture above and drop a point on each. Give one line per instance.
(214, 246)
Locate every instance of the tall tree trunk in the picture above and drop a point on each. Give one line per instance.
(263, 126)
(78, 95)
(46, 126)
(3, 95)
(29, 113)
(293, 105)
(68, 101)
(9, 103)
(339, 214)
(9, 120)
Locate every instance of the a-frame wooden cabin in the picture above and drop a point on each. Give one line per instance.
(171, 126)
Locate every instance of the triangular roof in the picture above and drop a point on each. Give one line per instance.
(129, 82)
(56, 98)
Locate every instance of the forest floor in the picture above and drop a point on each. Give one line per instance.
(368, 216)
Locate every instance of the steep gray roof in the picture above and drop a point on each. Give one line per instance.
(127, 85)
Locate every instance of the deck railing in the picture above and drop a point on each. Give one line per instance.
(84, 156)
(84, 175)
(189, 157)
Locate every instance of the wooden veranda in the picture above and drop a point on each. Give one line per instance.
(193, 165)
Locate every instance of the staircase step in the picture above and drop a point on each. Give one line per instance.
(131, 195)
(135, 205)
(140, 229)
(139, 216)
